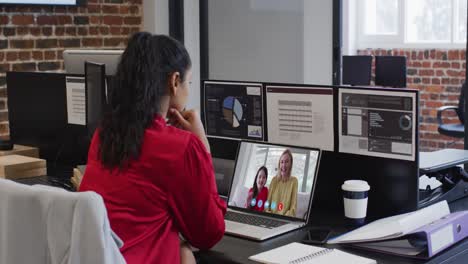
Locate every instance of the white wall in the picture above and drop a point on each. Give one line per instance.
(156, 16)
(192, 43)
(256, 40)
(318, 41)
(156, 20)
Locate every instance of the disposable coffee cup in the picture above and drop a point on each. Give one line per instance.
(355, 196)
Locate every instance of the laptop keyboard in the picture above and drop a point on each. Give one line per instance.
(253, 220)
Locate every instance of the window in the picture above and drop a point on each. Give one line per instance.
(382, 18)
(411, 23)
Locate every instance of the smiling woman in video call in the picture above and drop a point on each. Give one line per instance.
(282, 196)
(259, 192)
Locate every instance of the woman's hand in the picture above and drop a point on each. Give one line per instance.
(249, 200)
(189, 120)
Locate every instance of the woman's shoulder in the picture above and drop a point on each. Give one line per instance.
(293, 179)
(274, 179)
(171, 140)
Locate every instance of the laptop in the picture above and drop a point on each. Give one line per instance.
(283, 192)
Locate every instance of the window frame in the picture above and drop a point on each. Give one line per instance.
(399, 40)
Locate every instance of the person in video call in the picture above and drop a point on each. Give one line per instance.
(258, 194)
(282, 196)
(157, 180)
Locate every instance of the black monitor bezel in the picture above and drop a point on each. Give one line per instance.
(297, 219)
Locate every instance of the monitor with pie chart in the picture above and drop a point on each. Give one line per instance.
(233, 110)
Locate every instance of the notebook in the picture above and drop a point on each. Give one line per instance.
(297, 253)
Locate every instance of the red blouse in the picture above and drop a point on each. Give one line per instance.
(260, 200)
(169, 189)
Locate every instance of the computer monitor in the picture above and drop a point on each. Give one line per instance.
(95, 93)
(357, 70)
(390, 71)
(378, 122)
(300, 115)
(74, 59)
(37, 112)
(233, 110)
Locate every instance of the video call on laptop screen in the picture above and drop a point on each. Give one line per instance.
(274, 179)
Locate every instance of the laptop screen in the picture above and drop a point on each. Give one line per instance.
(274, 179)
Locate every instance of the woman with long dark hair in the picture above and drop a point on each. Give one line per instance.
(157, 180)
(258, 194)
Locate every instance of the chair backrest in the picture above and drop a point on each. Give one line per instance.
(44, 224)
(461, 104)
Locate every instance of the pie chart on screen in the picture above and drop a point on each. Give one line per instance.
(232, 111)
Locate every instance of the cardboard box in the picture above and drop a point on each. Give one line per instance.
(21, 150)
(17, 166)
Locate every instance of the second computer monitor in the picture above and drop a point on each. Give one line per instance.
(300, 115)
(74, 59)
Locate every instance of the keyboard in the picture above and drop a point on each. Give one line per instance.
(253, 220)
(63, 183)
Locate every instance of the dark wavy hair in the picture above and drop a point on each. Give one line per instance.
(254, 187)
(134, 97)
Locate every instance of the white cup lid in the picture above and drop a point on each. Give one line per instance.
(355, 186)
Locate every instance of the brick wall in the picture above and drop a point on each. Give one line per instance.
(438, 75)
(32, 38)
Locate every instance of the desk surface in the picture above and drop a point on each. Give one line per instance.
(236, 250)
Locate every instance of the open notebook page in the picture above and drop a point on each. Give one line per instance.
(297, 253)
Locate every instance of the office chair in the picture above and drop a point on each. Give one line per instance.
(43, 224)
(456, 130)
(390, 71)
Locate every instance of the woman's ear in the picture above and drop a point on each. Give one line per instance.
(173, 83)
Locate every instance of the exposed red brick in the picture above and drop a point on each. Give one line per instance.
(115, 30)
(11, 56)
(455, 65)
(4, 20)
(110, 9)
(92, 42)
(132, 20)
(38, 55)
(49, 55)
(35, 31)
(426, 72)
(24, 55)
(35, 36)
(112, 20)
(23, 30)
(93, 8)
(439, 64)
(124, 9)
(453, 73)
(95, 20)
(22, 19)
(453, 55)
